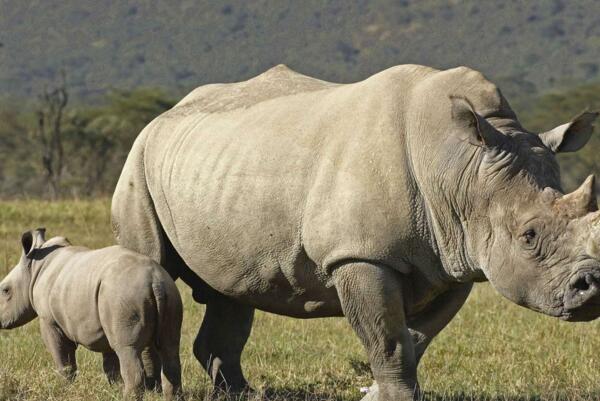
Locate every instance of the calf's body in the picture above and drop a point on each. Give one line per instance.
(110, 300)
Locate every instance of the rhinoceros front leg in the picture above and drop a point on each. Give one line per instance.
(61, 348)
(372, 301)
(427, 324)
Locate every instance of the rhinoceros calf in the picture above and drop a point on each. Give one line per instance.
(110, 300)
(381, 200)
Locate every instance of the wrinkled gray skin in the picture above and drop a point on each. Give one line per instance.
(381, 200)
(110, 300)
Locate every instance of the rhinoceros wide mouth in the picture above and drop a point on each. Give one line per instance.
(585, 313)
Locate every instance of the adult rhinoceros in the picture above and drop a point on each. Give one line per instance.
(381, 200)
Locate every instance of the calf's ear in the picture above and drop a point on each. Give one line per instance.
(33, 239)
(571, 136)
(473, 127)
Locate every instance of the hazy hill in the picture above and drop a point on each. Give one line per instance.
(525, 46)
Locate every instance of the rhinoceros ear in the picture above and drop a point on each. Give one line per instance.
(571, 136)
(472, 126)
(33, 239)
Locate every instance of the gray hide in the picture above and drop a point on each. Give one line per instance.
(381, 200)
(110, 300)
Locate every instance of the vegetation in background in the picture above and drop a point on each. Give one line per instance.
(545, 112)
(75, 150)
(525, 46)
(492, 350)
(95, 139)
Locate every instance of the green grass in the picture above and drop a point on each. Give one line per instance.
(492, 350)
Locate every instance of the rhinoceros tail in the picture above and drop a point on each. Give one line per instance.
(169, 312)
(160, 300)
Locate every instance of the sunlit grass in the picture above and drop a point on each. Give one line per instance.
(492, 350)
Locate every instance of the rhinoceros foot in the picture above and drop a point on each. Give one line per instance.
(372, 393)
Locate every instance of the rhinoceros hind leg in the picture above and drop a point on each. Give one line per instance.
(151, 362)
(110, 366)
(220, 342)
(132, 371)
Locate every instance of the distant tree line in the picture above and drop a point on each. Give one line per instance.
(547, 111)
(57, 149)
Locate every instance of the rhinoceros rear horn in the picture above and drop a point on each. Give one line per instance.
(571, 136)
(579, 202)
(472, 126)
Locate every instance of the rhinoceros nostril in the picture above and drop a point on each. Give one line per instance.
(584, 292)
(583, 284)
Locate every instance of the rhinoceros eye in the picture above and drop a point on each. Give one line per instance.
(529, 236)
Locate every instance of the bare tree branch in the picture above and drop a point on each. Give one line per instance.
(50, 118)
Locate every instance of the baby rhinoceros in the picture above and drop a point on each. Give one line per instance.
(110, 300)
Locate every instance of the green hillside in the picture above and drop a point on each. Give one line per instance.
(525, 46)
(96, 139)
(545, 56)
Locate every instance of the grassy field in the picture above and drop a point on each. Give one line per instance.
(492, 350)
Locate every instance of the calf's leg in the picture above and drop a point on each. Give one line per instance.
(372, 300)
(171, 371)
(169, 335)
(151, 362)
(61, 348)
(132, 371)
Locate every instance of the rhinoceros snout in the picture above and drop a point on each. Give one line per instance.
(582, 299)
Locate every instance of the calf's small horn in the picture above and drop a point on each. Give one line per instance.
(579, 202)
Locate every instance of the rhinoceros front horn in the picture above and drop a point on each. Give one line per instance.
(579, 202)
